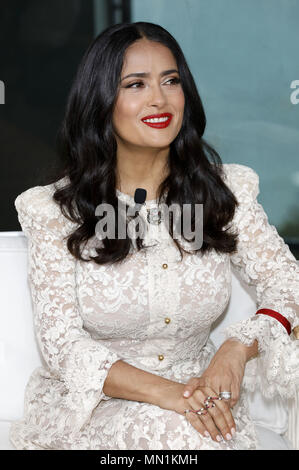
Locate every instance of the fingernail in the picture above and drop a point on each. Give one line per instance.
(233, 431)
(219, 438)
(206, 433)
(186, 394)
(228, 437)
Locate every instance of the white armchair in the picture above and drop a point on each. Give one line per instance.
(276, 421)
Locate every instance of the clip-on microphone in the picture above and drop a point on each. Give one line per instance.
(153, 215)
(139, 198)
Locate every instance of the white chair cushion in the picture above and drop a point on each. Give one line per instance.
(18, 351)
(5, 443)
(269, 440)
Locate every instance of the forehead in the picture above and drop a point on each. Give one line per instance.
(144, 55)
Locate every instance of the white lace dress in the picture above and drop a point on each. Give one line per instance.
(88, 316)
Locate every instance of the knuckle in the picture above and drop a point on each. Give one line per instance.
(192, 417)
(190, 382)
(234, 401)
(220, 421)
(225, 429)
(228, 405)
(202, 417)
(200, 396)
(199, 429)
(192, 420)
(197, 425)
(211, 429)
(195, 380)
(226, 409)
(216, 412)
(229, 417)
(206, 418)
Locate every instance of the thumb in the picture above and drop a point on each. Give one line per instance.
(191, 386)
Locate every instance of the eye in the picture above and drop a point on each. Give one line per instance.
(174, 80)
(135, 83)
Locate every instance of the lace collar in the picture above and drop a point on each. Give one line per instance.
(156, 232)
(148, 212)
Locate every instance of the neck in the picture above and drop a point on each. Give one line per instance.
(141, 171)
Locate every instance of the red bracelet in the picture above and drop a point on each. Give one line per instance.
(278, 316)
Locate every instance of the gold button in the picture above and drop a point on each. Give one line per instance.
(160, 357)
(167, 320)
(164, 266)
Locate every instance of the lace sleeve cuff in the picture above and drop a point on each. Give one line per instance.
(84, 376)
(275, 370)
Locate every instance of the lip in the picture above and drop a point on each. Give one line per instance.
(158, 125)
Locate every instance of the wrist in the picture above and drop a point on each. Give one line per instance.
(251, 351)
(163, 393)
(244, 351)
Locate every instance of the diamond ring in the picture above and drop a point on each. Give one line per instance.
(225, 395)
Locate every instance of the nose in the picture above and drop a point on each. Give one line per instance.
(157, 96)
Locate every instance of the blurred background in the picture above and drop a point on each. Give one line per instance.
(243, 56)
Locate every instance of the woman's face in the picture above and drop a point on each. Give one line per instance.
(139, 97)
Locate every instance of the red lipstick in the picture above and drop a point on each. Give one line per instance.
(158, 125)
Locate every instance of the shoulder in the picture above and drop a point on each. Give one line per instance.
(242, 180)
(36, 207)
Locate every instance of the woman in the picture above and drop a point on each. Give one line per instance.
(123, 328)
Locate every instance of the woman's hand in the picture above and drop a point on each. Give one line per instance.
(225, 371)
(217, 421)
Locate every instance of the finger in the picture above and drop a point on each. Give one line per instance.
(197, 402)
(210, 425)
(222, 416)
(225, 400)
(225, 408)
(197, 424)
(235, 394)
(226, 386)
(191, 386)
(234, 389)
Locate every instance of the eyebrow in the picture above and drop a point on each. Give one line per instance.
(143, 74)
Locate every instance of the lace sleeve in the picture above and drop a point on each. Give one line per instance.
(265, 261)
(71, 355)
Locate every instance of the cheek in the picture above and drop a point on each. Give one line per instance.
(180, 100)
(125, 117)
(127, 107)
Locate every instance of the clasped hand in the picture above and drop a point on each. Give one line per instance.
(224, 373)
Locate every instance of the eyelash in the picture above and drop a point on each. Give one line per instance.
(175, 80)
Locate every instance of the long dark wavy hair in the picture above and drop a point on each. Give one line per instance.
(87, 151)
